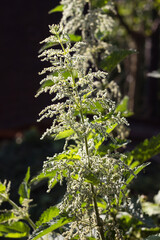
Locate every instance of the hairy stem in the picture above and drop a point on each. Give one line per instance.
(98, 219)
(27, 218)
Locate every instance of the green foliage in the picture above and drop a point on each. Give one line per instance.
(138, 14)
(75, 38)
(144, 151)
(24, 189)
(123, 107)
(64, 134)
(98, 3)
(49, 227)
(90, 171)
(48, 215)
(111, 61)
(6, 216)
(59, 8)
(14, 230)
(153, 237)
(2, 188)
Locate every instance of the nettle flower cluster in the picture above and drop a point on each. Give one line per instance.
(93, 23)
(86, 117)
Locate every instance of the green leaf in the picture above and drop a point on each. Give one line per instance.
(2, 188)
(101, 203)
(91, 238)
(48, 45)
(59, 8)
(15, 230)
(47, 83)
(136, 171)
(123, 107)
(111, 128)
(112, 146)
(146, 149)
(49, 227)
(48, 215)
(24, 188)
(91, 178)
(98, 3)
(64, 134)
(6, 215)
(130, 178)
(147, 232)
(75, 38)
(153, 237)
(41, 176)
(112, 60)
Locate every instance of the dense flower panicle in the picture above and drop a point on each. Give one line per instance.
(92, 24)
(87, 115)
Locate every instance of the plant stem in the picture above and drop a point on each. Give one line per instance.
(27, 218)
(98, 219)
(31, 223)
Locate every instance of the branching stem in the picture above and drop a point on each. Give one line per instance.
(26, 217)
(98, 219)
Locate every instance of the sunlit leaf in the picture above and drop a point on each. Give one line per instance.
(130, 178)
(136, 171)
(101, 203)
(48, 215)
(111, 128)
(2, 188)
(41, 176)
(24, 188)
(6, 215)
(58, 8)
(123, 107)
(64, 134)
(98, 3)
(15, 230)
(146, 150)
(75, 38)
(49, 227)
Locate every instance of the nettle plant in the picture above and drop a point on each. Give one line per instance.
(86, 116)
(88, 113)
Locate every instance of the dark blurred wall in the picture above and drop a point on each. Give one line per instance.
(23, 25)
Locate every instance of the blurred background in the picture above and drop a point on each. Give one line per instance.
(23, 26)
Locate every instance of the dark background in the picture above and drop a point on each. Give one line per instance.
(23, 26)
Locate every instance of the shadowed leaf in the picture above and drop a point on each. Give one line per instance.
(111, 61)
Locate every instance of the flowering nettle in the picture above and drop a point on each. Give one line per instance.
(94, 24)
(86, 115)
